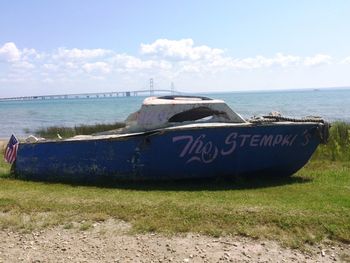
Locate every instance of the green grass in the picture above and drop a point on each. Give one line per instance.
(338, 146)
(66, 132)
(308, 207)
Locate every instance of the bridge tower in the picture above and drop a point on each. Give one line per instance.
(151, 87)
(172, 88)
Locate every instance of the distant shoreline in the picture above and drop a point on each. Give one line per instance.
(34, 97)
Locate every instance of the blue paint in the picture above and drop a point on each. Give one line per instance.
(196, 152)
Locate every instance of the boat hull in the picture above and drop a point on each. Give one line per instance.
(177, 153)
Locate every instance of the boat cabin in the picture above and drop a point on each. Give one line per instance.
(167, 111)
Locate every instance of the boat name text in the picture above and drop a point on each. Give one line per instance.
(206, 151)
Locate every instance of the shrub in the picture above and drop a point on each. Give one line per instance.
(338, 146)
(66, 132)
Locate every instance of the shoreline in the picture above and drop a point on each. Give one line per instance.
(281, 90)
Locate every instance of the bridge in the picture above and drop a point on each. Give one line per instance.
(145, 92)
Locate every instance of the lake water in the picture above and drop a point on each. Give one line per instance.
(23, 117)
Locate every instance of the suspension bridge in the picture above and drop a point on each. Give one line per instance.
(151, 92)
(94, 95)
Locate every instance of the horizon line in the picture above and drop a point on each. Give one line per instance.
(167, 90)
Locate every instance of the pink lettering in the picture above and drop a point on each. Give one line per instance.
(200, 149)
(244, 137)
(292, 141)
(198, 144)
(278, 139)
(209, 153)
(266, 140)
(307, 137)
(230, 140)
(254, 142)
(185, 137)
(285, 140)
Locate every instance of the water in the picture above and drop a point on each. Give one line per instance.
(24, 117)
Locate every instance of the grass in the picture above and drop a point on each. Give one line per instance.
(66, 132)
(308, 207)
(338, 146)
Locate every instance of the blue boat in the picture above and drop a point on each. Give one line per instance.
(177, 137)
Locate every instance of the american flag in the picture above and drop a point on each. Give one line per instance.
(11, 149)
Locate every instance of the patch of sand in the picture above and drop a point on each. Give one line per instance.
(110, 241)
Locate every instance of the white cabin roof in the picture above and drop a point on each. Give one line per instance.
(170, 100)
(167, 111)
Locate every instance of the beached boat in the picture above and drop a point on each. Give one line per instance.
(177, 137)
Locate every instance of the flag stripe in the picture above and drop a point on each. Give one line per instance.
(11, 150)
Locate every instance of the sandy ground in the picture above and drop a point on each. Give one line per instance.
(110, 241)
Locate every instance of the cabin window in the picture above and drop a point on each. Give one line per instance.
(197, 114)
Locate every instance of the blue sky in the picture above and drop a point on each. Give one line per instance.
(53, 47)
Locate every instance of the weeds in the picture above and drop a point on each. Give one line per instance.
(338, 146)
(66, 132)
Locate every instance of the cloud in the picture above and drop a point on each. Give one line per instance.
(97, 68)
(123, 62)
(9, 52)
(162, 58)
(183, 49)
(50, 67)
(286, 60)
(318, 59)
(203, 58)
(71, 65)
(263, 62)
(346, 60)
(75, 53)
(30, 54)
(23, 65)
